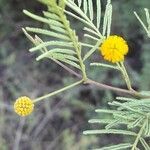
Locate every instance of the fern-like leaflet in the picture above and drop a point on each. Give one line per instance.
(84, 12)
(63, 44)
(145, 26)
(132, 113)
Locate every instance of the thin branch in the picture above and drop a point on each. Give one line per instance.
(100, 85)
(107, 87)
(58, 91)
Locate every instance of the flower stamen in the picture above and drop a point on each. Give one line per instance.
(23, 106)
(114, 48)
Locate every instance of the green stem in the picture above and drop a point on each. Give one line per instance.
(125, 75)
(74, 39)
(83, 71)
(101, 85)
(58, 91)
(138, 136)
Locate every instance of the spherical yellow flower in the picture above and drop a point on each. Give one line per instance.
(114, 48)
(23, 106)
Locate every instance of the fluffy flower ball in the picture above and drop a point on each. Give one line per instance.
(114, 48)
(23, 106)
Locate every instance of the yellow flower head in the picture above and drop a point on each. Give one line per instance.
(114, 48)
(23, 106)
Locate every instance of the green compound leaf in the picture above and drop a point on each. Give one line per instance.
(144, 25)
(107, 19)
(105, 65)
(84, 12)
(131, 119)
(122, 146)
(63, 45)
(48, 33)
(92, 50)
(53, 43)
(144, 143)
(110, 131)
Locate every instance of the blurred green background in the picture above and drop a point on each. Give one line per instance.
(58, 122)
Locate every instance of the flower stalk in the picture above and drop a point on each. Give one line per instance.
(58, 91)
(125, 75)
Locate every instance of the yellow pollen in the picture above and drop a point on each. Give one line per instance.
(23, 106)
(114, 48)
